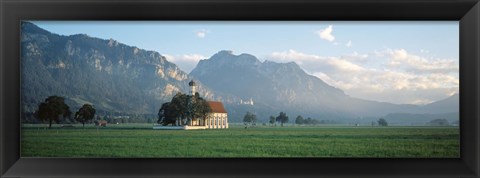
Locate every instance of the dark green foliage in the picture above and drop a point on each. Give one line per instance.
(382, 122)
(52, 109)
(299, 120)
(166, 114)
(179, 107)
(199, 107)
(182, 109)
(85, 113)
(272, 120)
(439, 122)
(249, 118)
(310, 121)
(282, 118)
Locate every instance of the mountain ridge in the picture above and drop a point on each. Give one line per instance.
(115, 76)
(285, 86)
(121, 78)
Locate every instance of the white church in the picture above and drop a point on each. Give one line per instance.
(216, 119)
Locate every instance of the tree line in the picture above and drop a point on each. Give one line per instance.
(250, 119)
(54, 108)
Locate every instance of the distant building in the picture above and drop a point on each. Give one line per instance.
(247, 102)
(100, 123)
(193, 87)
(218, 118)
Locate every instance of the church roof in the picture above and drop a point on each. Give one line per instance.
(217, 107)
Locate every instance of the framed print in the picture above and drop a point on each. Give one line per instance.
(214, 88)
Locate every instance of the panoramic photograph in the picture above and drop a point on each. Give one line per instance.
(240, 89)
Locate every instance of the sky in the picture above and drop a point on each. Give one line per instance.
(402, 62)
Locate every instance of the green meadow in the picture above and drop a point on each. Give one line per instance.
(140, 140)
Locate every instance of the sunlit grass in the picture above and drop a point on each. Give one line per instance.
(139, 140)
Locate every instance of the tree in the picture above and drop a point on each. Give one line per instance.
(166, 114)
(179, 106)
(382, 122)
(311, 121)
(272, 120)
(439, 122)
(199, 107)
(299, 120)
(51, 109)
(85, 113)
(282, 118)
(182, 108)
(250, 118)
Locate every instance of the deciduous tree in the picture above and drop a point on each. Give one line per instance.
(382, 122)
(250, 118)
(272, 120)
(199, 107)
(167, 115)
(85, 113)
(52, 109)
(299, 120)
(282, 118)
(183, 108)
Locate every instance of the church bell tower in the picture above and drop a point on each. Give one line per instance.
(193, 87)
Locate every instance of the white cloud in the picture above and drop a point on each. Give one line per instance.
(356, 57)
(400, 58)
(326, 33)
(185, 62)
(418, 80)
(201, 33)
(349, 43)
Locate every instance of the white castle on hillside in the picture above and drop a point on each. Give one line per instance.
(247, 102)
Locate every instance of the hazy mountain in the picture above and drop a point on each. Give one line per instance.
(113, 76)
(450, 104)
(447, 108)
(419, 119)
(119, 78)
(276, 87)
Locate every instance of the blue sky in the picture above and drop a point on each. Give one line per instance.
(399, 62)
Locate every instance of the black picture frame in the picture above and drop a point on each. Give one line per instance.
(14, 11)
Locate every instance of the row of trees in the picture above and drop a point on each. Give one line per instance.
(251, 119)
(179, 111)
(54, 108)
(309, 121)
(182, 109)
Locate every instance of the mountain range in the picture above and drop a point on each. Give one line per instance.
(286, 87)
(113, 76)
(123, 79)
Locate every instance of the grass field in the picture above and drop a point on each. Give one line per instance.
(139, 140)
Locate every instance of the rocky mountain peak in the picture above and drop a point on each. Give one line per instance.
(114, 76)
(121, 78)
